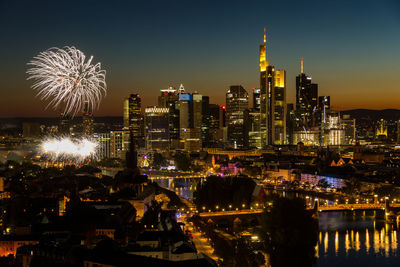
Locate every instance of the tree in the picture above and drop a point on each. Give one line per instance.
(158, 160)
(252, 171)
(289, 233)
(182, 161)
(323, 184)
(224, 192)
(387, 191)
(352, 186)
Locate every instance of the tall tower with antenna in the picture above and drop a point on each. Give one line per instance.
(272, 101)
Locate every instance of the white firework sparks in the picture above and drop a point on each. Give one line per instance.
(67, 79)
(77, 150)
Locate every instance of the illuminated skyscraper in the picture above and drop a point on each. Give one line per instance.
(118, 144)
(216, 125)
(103, 149)
(266, 81)
(237, 101)
(170, 99)
(185, 113)
(87, 120)
(272, 101)
(291, 121)
(133, 120)
(252, 121)
(190, 120)
(205, 117)
(306, 100)
(197, 110)
(381, 129)
(256, 98)
(65, 124)
(349, 126)
(157, 128)
(279, 108)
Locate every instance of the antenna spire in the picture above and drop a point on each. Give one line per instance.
(302, 66)
(265, 35)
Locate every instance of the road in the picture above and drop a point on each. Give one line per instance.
(199, 239)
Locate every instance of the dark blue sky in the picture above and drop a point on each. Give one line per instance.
(351, 48)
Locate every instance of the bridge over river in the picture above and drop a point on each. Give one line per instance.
(392, 211)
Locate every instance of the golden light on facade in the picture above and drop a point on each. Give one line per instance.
(280, 78)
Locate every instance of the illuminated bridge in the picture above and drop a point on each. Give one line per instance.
(340, 207)
(249, 215)
(235, 153)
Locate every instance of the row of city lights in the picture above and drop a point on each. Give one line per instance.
(258, 206)
(357, 201)
(218, 208)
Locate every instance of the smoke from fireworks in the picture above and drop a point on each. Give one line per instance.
(67, 79)
(77, 150)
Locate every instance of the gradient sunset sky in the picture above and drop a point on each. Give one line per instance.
(350, 48)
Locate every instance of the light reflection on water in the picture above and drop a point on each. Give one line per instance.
(357, 239)
(183, 187)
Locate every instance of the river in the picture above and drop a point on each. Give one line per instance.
(357, 239)
(346, 239)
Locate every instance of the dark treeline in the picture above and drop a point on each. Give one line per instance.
(222, 192)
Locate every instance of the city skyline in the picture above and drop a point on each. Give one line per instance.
(151, 49)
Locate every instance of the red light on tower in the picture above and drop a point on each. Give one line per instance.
(223, 107)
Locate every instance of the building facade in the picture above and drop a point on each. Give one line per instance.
(118, 145)
(133, 119)
(306, 100)
(157, 128)
(104, 145)
(237, 101)
(87, 120)
(272, 101)
(253, 122)
(170, 99)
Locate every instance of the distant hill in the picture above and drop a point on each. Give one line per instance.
(373, 115)
(9, 123)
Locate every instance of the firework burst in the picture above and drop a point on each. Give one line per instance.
(66, 79)
(67, 149)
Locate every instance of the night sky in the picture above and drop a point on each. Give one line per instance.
(350, 48)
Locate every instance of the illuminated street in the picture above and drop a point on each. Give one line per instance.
(201, 242)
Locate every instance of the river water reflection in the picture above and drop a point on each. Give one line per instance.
(346, 239)
(183, 187)
(357, 239)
